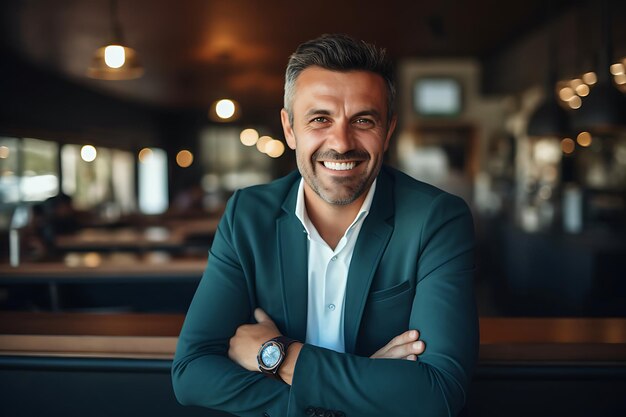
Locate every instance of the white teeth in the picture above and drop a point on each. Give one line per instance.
(339, 166)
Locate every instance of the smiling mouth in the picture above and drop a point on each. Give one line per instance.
(340, 166)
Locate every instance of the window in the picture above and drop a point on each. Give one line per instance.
(153, 185)
(89, 183)
(29, 170)
(437, 96)
(9, 170)
(229, 164)
(108, 180)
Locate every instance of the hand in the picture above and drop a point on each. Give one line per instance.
(245, 344)
(405, 346)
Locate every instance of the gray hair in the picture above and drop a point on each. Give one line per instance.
(339, 52)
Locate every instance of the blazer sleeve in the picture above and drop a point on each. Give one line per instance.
(444, 312)
(202, 373)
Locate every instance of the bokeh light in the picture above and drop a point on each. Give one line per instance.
(184, 158)
(225, 108)
(249, 137)
(145, 154)
(568, 145)
(584, 139)
(88, 153)
(262, 142)
(274, 148)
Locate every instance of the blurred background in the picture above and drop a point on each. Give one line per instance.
(126, 125)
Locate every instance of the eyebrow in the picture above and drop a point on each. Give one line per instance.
(317, 111)
(369, 112)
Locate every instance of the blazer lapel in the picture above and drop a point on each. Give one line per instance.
(292, 250)
(370, 246)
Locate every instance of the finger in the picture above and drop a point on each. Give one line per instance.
(417, 348)
(406, 337)
(402, 351)
(411, 358)
(402, 339)
(413, 348)
(261, 316)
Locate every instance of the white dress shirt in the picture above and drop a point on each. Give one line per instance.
(328, 274)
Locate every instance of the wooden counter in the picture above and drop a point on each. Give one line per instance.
(119, 364)
(503, 340)
(103, 267)
(172, 235)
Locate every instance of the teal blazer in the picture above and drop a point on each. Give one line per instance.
(412, 268)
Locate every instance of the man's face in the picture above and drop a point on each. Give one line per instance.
(340, 132)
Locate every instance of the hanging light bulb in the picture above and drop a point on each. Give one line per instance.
(590, 78)
(224, 110)
(604, 109)
(550, 118)
(115, 61)
(114, 56)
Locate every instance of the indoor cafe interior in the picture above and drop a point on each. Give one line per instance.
(126, 125)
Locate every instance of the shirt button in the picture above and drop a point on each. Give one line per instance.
(331, 307)
(334, 258)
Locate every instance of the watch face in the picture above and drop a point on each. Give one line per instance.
(270, 355)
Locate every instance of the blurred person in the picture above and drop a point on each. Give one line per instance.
(58, 218)
(189, 201)
(344, 288)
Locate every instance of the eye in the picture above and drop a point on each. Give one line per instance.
(364, 122)
(319, 119)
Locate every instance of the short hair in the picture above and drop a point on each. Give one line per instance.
(339, 52)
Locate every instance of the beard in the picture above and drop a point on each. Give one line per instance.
(339, 190)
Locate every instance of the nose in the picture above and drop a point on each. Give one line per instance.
(341, 138)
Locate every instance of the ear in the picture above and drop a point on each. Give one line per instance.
(392, 127)
(287, 129)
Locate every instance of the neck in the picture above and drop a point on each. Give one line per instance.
(331, 220)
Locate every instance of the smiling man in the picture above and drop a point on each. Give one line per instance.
(344, 288)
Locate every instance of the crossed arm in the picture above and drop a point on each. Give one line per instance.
(212, 368)
(246, 342)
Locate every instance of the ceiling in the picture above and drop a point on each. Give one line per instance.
(196, 51)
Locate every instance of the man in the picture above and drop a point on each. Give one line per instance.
(343, 289)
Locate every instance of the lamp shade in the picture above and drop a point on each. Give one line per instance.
(604, 110)
(130, 69)
(549, 119)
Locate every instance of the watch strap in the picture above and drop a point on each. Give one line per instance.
(285, 342)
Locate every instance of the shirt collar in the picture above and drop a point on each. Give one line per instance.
(301, 212)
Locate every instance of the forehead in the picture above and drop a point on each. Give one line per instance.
(318, 86)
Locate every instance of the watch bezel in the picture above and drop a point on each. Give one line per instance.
(270, 369)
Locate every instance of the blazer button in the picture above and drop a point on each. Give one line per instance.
(319, 412)
(310, 412)
(329, 413)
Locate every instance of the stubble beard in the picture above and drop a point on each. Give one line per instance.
(353, 187)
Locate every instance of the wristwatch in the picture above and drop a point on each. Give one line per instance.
(272, 354)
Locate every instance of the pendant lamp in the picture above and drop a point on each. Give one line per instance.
(115, 61)
(604, 109)
(550, 119)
